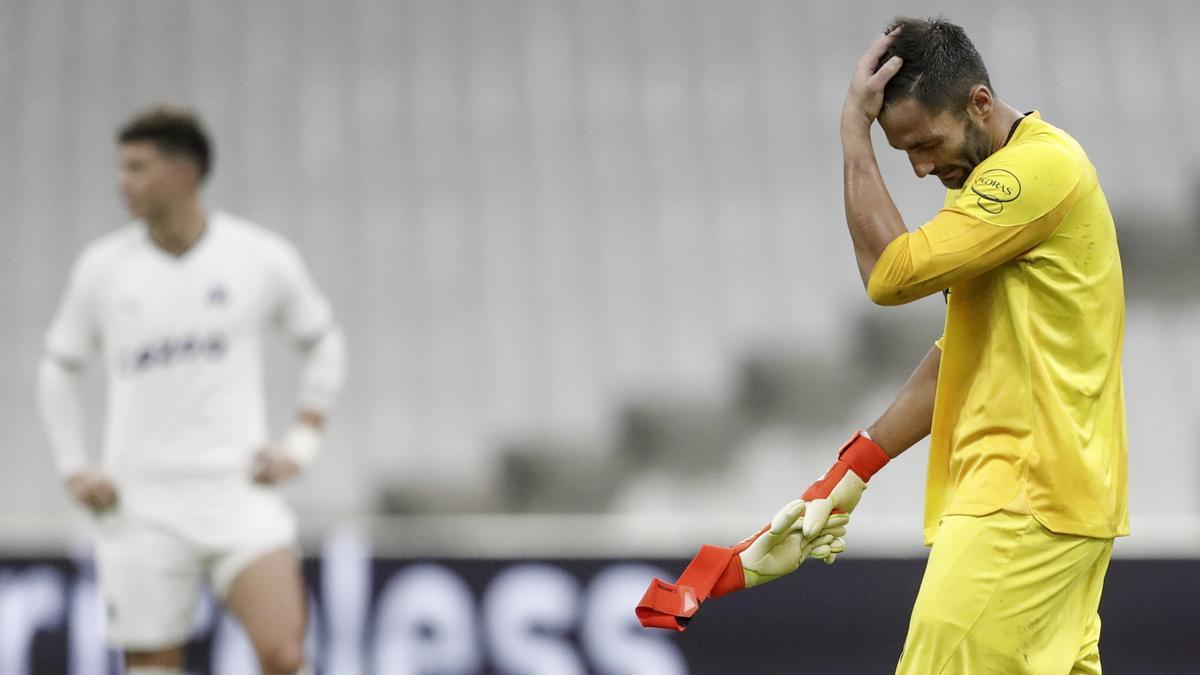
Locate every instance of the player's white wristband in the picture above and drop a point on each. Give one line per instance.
(301, 443)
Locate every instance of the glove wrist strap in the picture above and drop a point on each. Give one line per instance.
(863, 455)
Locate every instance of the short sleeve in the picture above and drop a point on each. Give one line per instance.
(301, 309)
(1020, 185)
(1018, 199)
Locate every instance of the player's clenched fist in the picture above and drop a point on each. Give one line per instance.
(93, 489)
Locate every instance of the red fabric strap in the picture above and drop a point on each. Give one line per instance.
(713, 572)
(667, 606)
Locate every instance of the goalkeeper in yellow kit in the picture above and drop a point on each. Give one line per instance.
(1022, 396)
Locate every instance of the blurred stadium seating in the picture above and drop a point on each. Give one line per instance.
(579, 238)
(589, 256)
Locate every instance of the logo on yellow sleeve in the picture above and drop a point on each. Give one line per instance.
(995, 188)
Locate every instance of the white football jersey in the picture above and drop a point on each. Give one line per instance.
(182, 341)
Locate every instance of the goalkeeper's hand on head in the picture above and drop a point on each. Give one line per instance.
(838, 491)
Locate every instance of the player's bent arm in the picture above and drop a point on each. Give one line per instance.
(871, 214)
(59, 395)
(321, 378)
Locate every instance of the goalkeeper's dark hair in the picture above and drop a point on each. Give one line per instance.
(174, 131)
(940, 67)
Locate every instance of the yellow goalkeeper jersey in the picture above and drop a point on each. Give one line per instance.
(1030, 412)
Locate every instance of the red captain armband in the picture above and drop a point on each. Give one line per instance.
(715, 571)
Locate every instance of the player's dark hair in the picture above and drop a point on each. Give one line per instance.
(174, 131)
(940, 65)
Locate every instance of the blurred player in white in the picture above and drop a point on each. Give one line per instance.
(177, 302)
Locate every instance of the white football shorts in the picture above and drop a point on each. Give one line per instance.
(163, 541)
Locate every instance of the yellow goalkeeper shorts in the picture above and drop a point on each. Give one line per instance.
(1004, 595)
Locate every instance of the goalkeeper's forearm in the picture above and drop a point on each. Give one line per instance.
(908, 419)
(60, 402)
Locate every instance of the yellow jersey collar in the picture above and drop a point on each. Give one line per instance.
(1017, 127)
